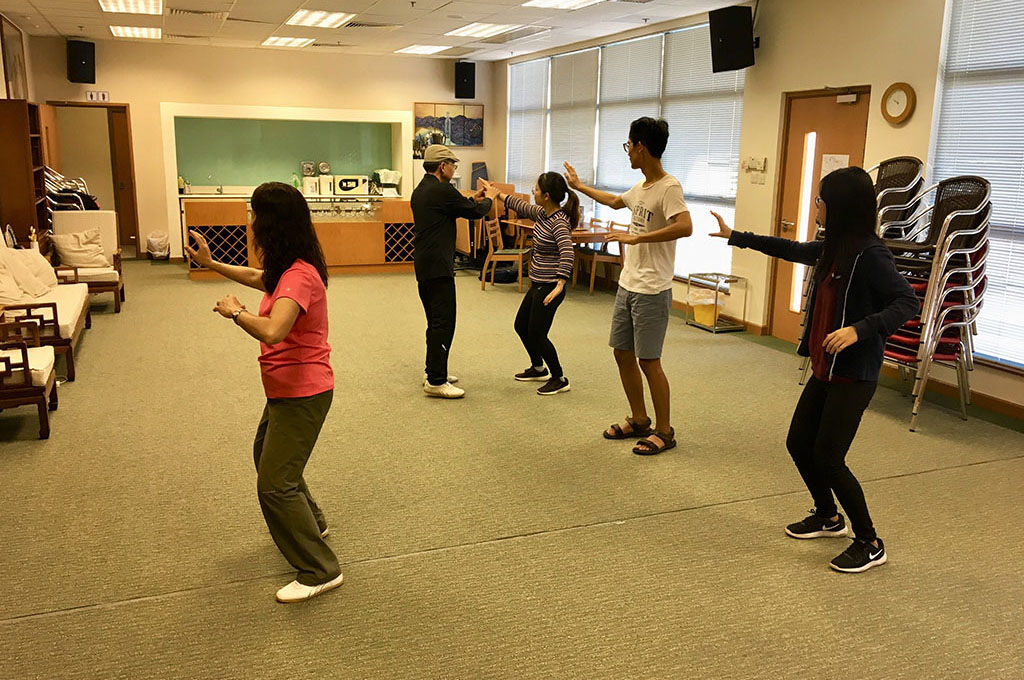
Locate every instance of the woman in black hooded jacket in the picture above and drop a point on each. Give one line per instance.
(857, 299)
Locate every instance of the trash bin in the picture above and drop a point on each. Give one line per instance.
(705, 311)
(158, 246)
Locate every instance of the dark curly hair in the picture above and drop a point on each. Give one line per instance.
(282, 229)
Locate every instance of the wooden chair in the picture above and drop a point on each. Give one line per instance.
(27, 373)
(496, 253)
(108, 279)
(600, 255)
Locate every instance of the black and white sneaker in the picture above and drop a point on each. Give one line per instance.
(860, 556)
(816, 526)
(532, 374)
(554, 386)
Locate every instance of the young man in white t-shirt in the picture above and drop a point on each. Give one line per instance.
(644, 297)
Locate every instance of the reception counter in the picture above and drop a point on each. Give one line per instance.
(363, 235)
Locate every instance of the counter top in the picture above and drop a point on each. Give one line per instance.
(340, 197)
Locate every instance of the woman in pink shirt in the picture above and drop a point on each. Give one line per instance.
(295, 363)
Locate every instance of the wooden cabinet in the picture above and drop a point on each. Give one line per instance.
(225, 226)
(22, 190)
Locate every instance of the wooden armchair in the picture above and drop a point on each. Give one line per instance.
(59, 317)
(27, 374)
(109, 279)
(496, 253)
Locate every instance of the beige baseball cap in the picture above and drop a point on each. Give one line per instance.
(436, 153)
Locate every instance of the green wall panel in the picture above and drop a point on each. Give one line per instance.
(247, 152)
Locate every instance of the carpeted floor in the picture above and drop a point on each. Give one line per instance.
(494, 537)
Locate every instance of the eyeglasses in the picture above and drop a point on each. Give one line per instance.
(818, 202)
(625, 146)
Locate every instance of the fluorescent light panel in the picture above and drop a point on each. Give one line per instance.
(483, 30)
(561, 4)
(422, 49)
(319, 19)
(277, 41)
(136, 32)
(133, 6)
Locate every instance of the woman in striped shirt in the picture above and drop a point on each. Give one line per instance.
(550, 267)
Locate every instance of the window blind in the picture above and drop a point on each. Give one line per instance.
(527, 122)
(981, 132)
(573, 118)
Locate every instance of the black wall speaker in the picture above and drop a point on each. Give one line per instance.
(732, 38)
(81, 61)
(465, 80)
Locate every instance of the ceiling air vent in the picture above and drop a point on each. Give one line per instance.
(251, 21)
(196, 14)
(330, 44)
(371, 24)
(511, 36)
(457, 52)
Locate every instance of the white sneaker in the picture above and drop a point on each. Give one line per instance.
(445, 391)
(325, 533)
(452, 379)
(296, 592)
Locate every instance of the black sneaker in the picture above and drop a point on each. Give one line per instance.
(860, 556)
(532, 374)
(816, 526)
(554, 386)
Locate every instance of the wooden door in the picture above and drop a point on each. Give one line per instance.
(123, 171)
(820, 135)
(48, 130)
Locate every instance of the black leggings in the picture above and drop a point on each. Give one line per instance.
(823, 427)
(533, 323)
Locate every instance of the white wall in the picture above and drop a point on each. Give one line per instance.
(145, 75)
(84, 140)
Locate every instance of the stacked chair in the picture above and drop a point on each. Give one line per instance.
(897, 183)
(941, 249)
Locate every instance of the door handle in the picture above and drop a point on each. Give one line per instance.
(787, 225)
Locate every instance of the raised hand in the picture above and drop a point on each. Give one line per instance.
(201, 253)
(724, 231)
(571, 178)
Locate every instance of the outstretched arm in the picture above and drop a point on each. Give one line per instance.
(604, 197)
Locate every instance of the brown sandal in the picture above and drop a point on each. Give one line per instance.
(646, 447)
(637, 431)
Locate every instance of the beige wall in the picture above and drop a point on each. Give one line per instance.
(144, 75)
(85, 150)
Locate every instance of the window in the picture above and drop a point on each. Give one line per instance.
(527, 122)
(980, 132)
(595, 94)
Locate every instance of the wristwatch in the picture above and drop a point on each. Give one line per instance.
(234, 314)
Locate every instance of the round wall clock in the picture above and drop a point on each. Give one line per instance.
(898, 103)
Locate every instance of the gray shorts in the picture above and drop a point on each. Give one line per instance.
(639, 322)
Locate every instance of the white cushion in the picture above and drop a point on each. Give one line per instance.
(70, 299)
(23, 276)
(80, 249)
(92, 275)
(72, 221)
(10, 292)
(37, 264)
(40, 365)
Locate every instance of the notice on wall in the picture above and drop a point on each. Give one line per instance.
(834, 161)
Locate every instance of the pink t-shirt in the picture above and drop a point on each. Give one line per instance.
(299, 365)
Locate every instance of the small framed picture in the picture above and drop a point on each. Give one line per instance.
(308, 168)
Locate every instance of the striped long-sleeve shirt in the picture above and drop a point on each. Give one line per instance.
(552, 255)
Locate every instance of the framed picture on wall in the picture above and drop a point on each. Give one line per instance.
(12, 46)
(448, 124)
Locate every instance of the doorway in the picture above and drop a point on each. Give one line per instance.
(824, 130)
(100, 151)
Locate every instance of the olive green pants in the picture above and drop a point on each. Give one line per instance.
(285, 437)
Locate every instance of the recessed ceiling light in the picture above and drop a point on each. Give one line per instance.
(561, 4)
(422, 49)
(133, 6)
(276, 41)
(483, 30)
(136, 32)
(308, 17)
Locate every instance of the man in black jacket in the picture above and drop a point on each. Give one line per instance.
(436, 204)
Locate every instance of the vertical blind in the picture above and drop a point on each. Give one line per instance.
(981, 132)
(594, 96)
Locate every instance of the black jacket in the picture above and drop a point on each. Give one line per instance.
(876, 302)
(435, 207)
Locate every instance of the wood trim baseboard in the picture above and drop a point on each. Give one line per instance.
(985, 401)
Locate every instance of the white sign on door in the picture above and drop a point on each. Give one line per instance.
(834, 161)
